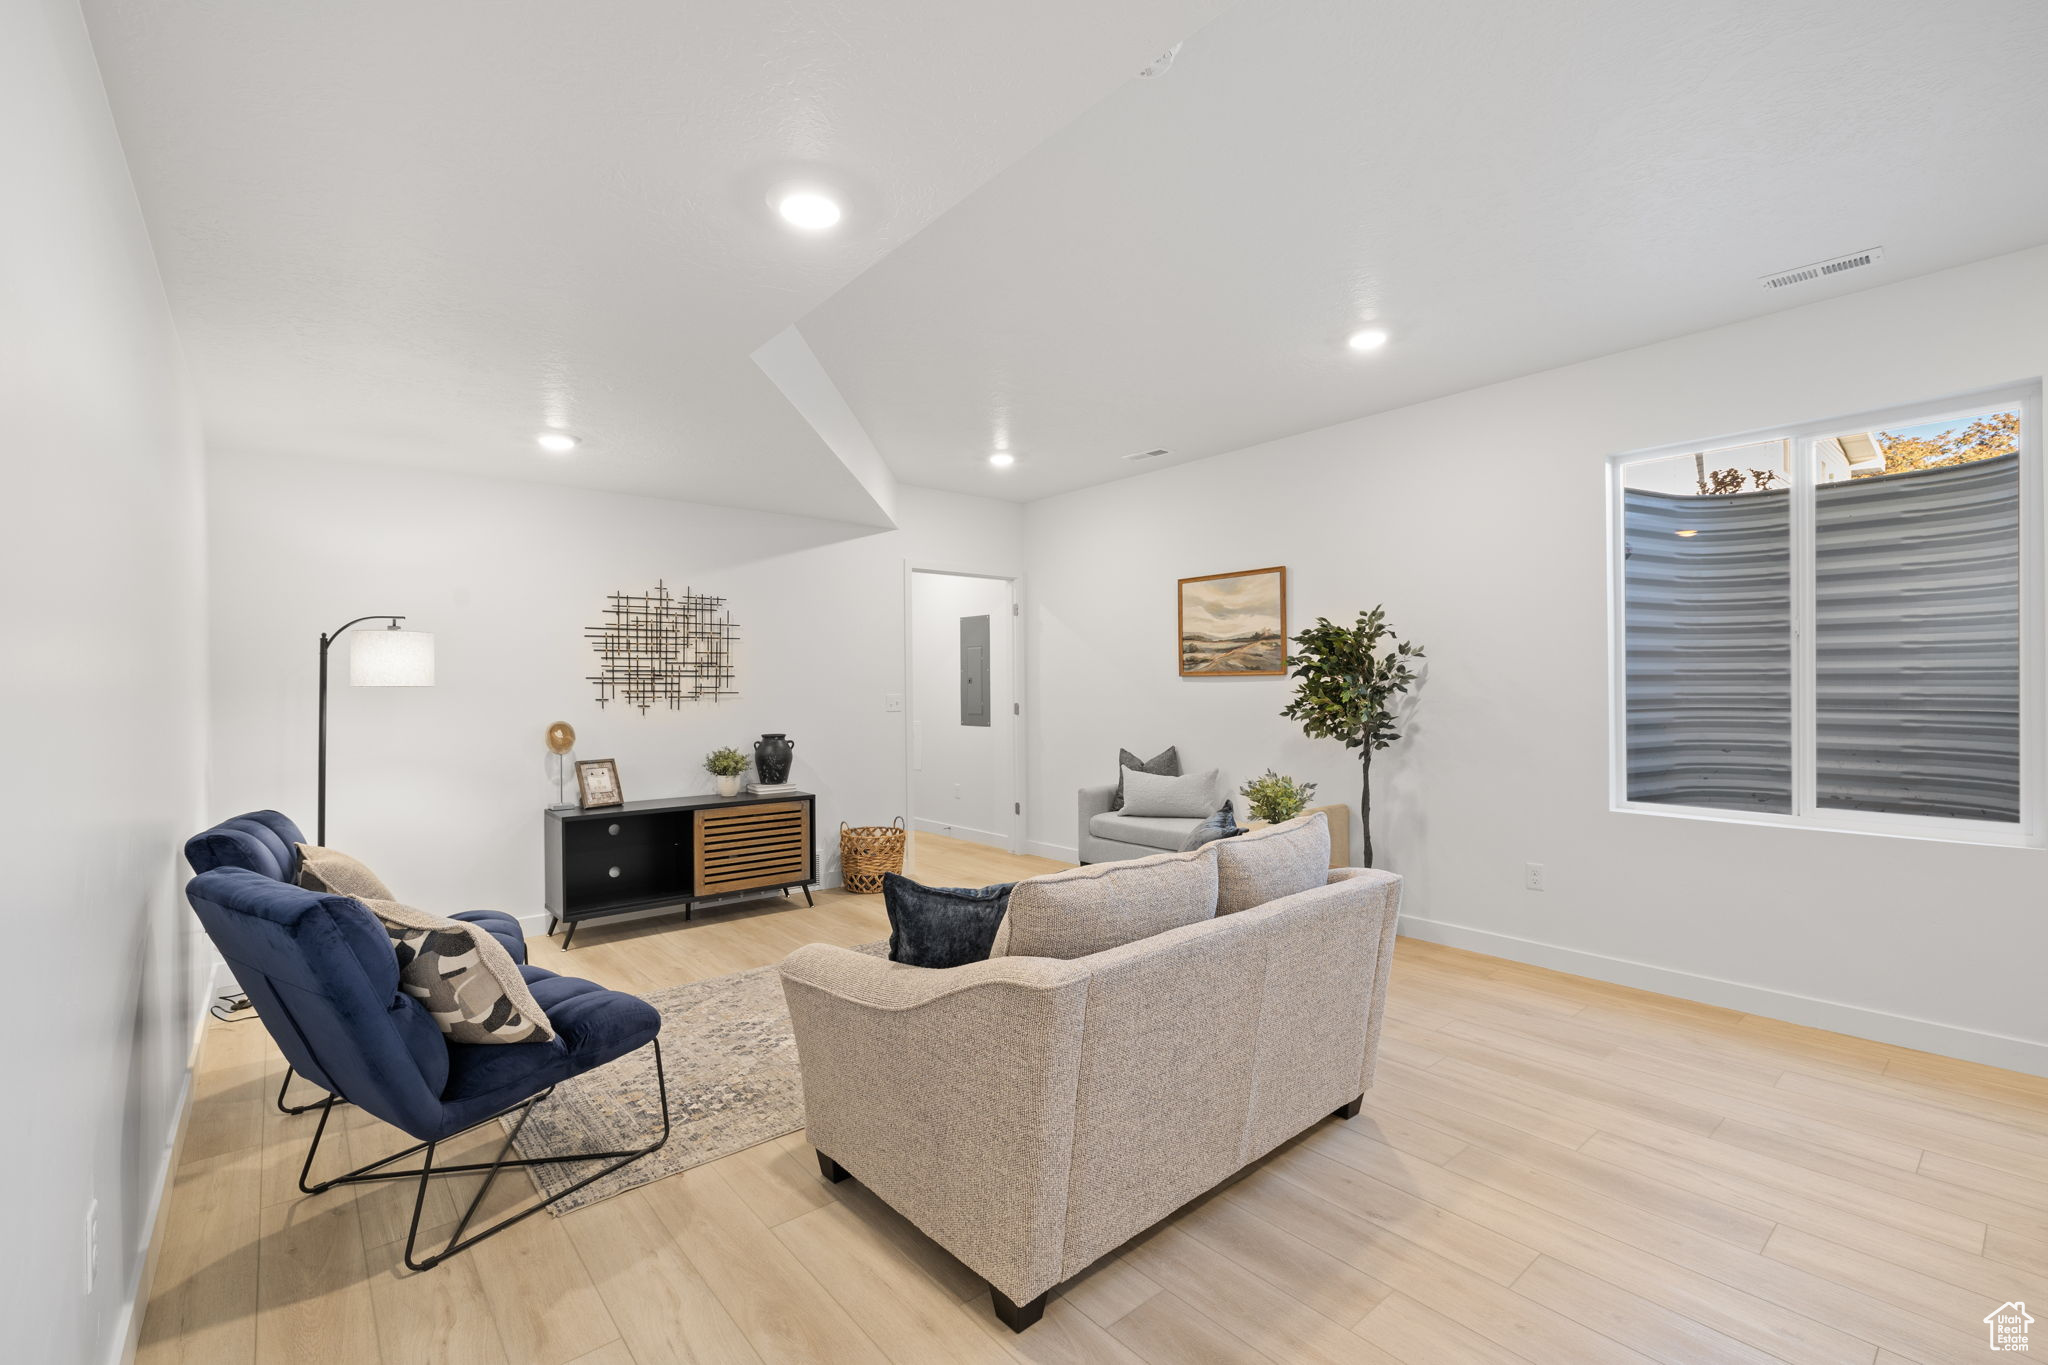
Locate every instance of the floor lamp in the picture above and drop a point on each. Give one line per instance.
(376, 658)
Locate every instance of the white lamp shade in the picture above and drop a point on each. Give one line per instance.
(390, 658)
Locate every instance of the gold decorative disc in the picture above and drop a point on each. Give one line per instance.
(561, 737)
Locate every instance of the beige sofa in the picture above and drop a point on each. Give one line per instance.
(1031, 1114)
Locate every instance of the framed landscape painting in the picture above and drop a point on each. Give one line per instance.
(1234, 625)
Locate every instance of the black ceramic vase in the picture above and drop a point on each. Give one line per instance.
(772, 757)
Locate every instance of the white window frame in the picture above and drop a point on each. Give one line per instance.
(1806, 814)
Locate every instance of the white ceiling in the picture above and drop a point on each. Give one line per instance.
(1504, 186)
(419, 232)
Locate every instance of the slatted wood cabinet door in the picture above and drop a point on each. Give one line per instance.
(750, 846)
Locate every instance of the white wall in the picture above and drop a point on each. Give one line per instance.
(960, 784)
(1479, 521)
(441, 790)
(102, 616)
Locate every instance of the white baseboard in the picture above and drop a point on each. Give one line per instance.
(1925, 1035)
(127, 1336)
(1065, 853)
(128, 1330)
(972, 836)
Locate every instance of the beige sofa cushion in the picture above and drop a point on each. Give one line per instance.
(1090, 909)
(1266, 864)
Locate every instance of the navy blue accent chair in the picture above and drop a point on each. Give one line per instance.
(323, 977)
(268, 842)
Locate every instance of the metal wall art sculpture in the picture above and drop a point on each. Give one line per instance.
(660, 647)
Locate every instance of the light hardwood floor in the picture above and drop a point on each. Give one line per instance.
(1549, 1170)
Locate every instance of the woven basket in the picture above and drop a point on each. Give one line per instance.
(867, 851)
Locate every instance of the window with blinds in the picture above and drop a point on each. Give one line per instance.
(1833, 625)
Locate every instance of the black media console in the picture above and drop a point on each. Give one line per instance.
(608, 860)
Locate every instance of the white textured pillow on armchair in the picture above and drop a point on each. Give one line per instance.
(1189, 798)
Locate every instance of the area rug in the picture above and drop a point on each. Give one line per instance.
(732, 1083)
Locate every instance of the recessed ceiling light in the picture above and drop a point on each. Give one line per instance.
(1366, 339)
(1002, 459)
(808, 210)
(1685, 533)
(556, 442)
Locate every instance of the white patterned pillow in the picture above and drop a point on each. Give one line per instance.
(465, 978)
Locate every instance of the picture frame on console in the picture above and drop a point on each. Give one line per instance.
(597, 783)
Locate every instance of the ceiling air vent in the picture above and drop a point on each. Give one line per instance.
(1821, 270)
(1146, 454)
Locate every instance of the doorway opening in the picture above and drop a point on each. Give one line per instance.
(963, 712)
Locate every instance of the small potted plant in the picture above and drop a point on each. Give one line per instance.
(726, 765)
(1273, 798)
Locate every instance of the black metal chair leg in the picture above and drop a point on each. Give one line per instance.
(326, 1108)
(457, 1242)
(284, 1108)
(462, 1224)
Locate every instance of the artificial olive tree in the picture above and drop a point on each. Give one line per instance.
(1347, 680)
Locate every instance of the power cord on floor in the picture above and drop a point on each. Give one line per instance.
(233, 1009)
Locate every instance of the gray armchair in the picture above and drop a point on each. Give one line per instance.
(1108, 836)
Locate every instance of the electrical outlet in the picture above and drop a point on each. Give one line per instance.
(892, 701)
(1532, 876)
(957, 795)
(92, 1244)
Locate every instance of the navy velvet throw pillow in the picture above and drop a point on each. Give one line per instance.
(942, 926)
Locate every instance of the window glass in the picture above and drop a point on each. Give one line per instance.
(1827, 624)
(1917, 620)
(1707, 552)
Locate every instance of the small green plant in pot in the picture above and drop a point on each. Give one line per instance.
(1348, 680)
(726, 765)
(1273, 798)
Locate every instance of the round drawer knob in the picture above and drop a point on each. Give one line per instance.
(615, 872)
(613, 830)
